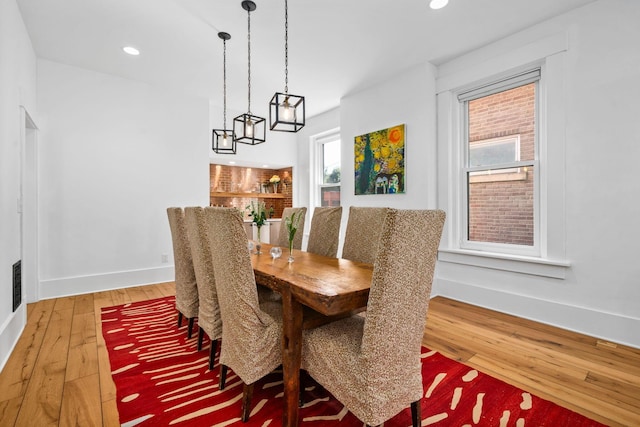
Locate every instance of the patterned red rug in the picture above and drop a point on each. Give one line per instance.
(162, 380)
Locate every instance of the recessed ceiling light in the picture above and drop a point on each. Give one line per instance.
(131, 50)
(438, 4)
(265, 166)
(232, 162)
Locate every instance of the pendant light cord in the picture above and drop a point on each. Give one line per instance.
(224, 86)
(249, 61)
(286, 47)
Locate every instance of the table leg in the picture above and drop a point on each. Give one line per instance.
(291, 357)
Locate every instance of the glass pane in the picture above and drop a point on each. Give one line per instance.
(331, 162)
(495, 118)
(493, 153)
(330, 196)
(501, 206)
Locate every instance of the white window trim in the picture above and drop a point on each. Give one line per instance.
(317, 173)
(550, 54)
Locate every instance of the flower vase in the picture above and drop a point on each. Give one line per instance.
(275, 187)
(290, 259)
(258, 244)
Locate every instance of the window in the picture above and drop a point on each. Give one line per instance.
(327, 175)
(499, 195)
(542, 162)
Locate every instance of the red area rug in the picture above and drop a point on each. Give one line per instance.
(162, 380)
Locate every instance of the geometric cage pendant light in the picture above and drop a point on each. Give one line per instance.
(249, 129)
(223, 140)
(286, 111)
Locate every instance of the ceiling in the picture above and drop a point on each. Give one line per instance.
(336, 47)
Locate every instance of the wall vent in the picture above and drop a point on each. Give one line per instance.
(17, 285)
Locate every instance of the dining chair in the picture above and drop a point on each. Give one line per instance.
(209, 320)
(283, 235)
(324, 233)
(251, 330)
(363, 232)
(372, 364)
(185, 277)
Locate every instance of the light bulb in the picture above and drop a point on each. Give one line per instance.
(248, 128)
(225, 140)
(286, 111)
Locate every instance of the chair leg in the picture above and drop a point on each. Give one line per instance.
(212, 353)
(247, 394)
(223, 376)
(179, 319)
(191, 320)
(200, 337)
(416, 413)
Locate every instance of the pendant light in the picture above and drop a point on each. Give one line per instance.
(286, 111)
(223, 140)
(249, 129)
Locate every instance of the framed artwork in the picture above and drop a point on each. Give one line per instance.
(379, 161)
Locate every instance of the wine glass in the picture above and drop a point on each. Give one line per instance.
(276, 252)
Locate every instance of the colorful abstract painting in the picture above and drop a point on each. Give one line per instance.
(379, 161)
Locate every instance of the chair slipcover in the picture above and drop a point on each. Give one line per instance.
(372, 365)
(363, 232)
(283, 235)
(185, 276)
(251, 332)
(209, 310)
(325, 231)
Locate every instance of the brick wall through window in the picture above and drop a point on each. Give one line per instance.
(501, 203)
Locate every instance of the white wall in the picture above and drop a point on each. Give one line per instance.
(114, 155)
(600, 293)
(408, 98)
(17, 87)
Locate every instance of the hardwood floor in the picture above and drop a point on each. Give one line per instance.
(596, 378)
(58, 374)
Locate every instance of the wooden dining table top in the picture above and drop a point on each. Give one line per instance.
(330, 286)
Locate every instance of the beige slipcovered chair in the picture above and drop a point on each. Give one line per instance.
(185, 277)
(283, 235)
(363, 233)
(251, 331)
(372, 365)
(324, 233)
(209, 320)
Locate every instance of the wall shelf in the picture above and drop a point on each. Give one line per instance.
(249, 195)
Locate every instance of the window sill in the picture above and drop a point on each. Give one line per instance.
(514, 263)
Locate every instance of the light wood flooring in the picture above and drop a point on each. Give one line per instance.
(58, 374)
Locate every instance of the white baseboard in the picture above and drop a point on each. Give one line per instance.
(10, 332)
(12, 328)
(67, 286)
(607, 326)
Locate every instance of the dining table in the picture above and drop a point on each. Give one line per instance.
(315, 290)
